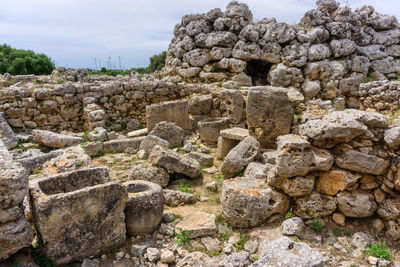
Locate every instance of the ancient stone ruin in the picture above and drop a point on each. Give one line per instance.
(259, 144)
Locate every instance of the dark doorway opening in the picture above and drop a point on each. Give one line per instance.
(258, 71)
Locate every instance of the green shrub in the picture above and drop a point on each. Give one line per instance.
(240, 244)
(20, 62)
(183, 238)
(317, 226)
(289, 215)
(185, 186)
(379, 250)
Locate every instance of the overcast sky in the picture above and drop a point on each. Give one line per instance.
(75, 32)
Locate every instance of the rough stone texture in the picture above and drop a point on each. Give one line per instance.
(296, 186)
(389, 209)
(200, 105)
(55, 140)
(256, 170)
(296, 156)
(231, 105)
(209, 129)
(32, 163)
(341, 126)
(356, 204)
(202, 159)
(15, 232)
(198, 224)
(151, 141)
(314, 205)
(6, 133)
(149, 172)
(330, 183)
(293, 226)
(175, 162)
(240, 156)
(392, 137)
(79, 195)
(171, 111)
(126, 145)
(249, 202)
(72, 158)
(175, 198)
(268, 110)
(357, 161)
(284, 252)
(144, 208)
(169, 132)
(228, 139)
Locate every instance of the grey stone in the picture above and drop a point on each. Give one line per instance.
(237, 259)
(392, 137)
(169, 132)
(153, 254)
(356, 204)
(292, 226)
(311, 88)
(175, 198)
(6, 133)
(198, 224)
(172, 111)
(362, 240)
(268, 110)
(231, 105)
(240, 156)
(357, 161)
(149, 172)
(200, 105)
(209, 129)
(314, 205)
(151, 141)
(128, 145)
(249, 202)
(256, 170)
(202, 159)
(284, 252)
(175, 162)
(55, 140)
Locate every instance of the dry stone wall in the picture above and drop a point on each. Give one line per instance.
(328, 54)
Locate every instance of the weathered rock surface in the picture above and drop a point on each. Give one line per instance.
(268, 110)
(198, 224)
(151, 141)
(55, 140)
(357, 161)
(80, 195)
(126, 145)
(333, 181)
(202, 159)
(169, 132)
(209, 128)
(175, 162)
(149, 172)
(284, 252)
(6, 133)
(176, 198)
(293, 226)
(240, 156)
(392, 137)
(249, 202)
(314, 206)
(356, 204)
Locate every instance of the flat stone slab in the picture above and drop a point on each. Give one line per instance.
(137, 133)
(55, 140)
(171, 111)
(198, 224)
(127, 145)
(235, 133)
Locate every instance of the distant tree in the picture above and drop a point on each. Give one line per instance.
(157, 62)
(19, 61)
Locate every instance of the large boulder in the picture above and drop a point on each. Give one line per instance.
(170, 132)
(175, 198)
(297, 157)
(149, 172)
(240, 156)
(333, 181)
(314, 205)
(360, 162)
(269, 114)
(249, 202)
(55, 140)
(151, 141)
(341, 126)
(6, 133)
(356, 204)
(392, 137)
(209, 129)
(175, 162)
(284, 252)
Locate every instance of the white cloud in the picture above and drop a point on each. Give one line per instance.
(74, 32)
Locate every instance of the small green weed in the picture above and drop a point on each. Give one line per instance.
(100, 153)
(317, 226)
(183, 238)
(40, 258)
(337, 232)
(240, 244)
(185, 186)
(380, 250)
(85, 136)
(289, 215)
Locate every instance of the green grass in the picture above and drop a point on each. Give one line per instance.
(185, 186)
(240, 244)
(85, 136)
(40, 258)
(337, 232)
(379, 250)
(100, 153)
(289, 215)
(317, 226)
(183, 238)
(226, 234)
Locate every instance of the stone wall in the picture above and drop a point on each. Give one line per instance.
(328, 54)
(76, 105)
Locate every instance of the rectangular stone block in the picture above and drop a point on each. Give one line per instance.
(172, 111)
(78, 214)
(128, 145)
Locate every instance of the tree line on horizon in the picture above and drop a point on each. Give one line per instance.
(21, 62)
